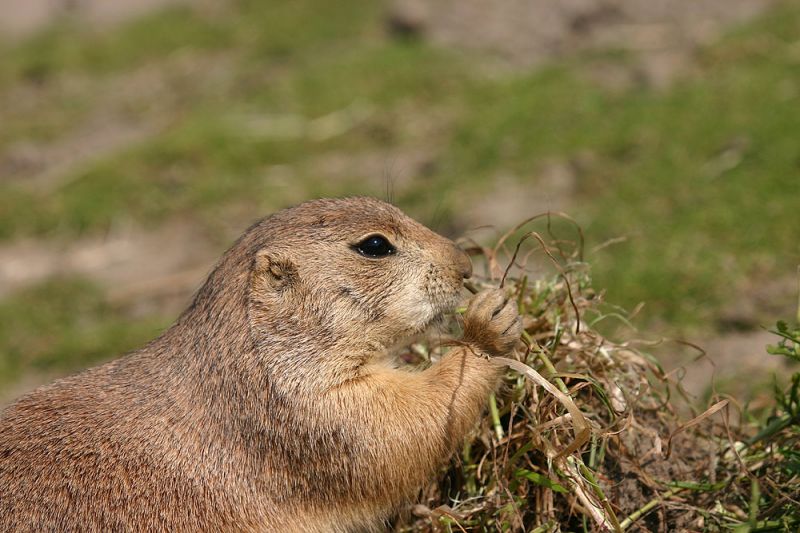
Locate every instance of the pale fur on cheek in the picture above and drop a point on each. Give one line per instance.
(413, 307)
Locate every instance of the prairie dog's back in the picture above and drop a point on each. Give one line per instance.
(97, 438)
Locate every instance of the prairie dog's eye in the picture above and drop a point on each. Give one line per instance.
(375, 246)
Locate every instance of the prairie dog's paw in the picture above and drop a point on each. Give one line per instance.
(492, 323)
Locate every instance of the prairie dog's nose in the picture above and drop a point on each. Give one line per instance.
(463, 263)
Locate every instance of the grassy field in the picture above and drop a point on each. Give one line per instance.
(235, 112)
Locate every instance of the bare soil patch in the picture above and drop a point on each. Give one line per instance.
(528, 33)
(133, 265)
(23, 17)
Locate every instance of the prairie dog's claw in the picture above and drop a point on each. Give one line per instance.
(492, 323)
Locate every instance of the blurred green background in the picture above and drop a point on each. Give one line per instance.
(135, 148)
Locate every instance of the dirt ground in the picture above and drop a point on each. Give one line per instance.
(525, 33)
(23, 17)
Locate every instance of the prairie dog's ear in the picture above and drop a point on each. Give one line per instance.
(273, 272)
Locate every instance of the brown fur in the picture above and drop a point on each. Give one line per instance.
(268, 405)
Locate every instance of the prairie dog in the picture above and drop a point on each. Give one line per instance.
(268, 405)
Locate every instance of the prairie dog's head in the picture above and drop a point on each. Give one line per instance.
(356, 268)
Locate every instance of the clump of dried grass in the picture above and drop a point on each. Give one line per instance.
(587, 434)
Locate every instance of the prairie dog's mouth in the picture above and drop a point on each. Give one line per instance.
(436, 324)
(446, 307)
